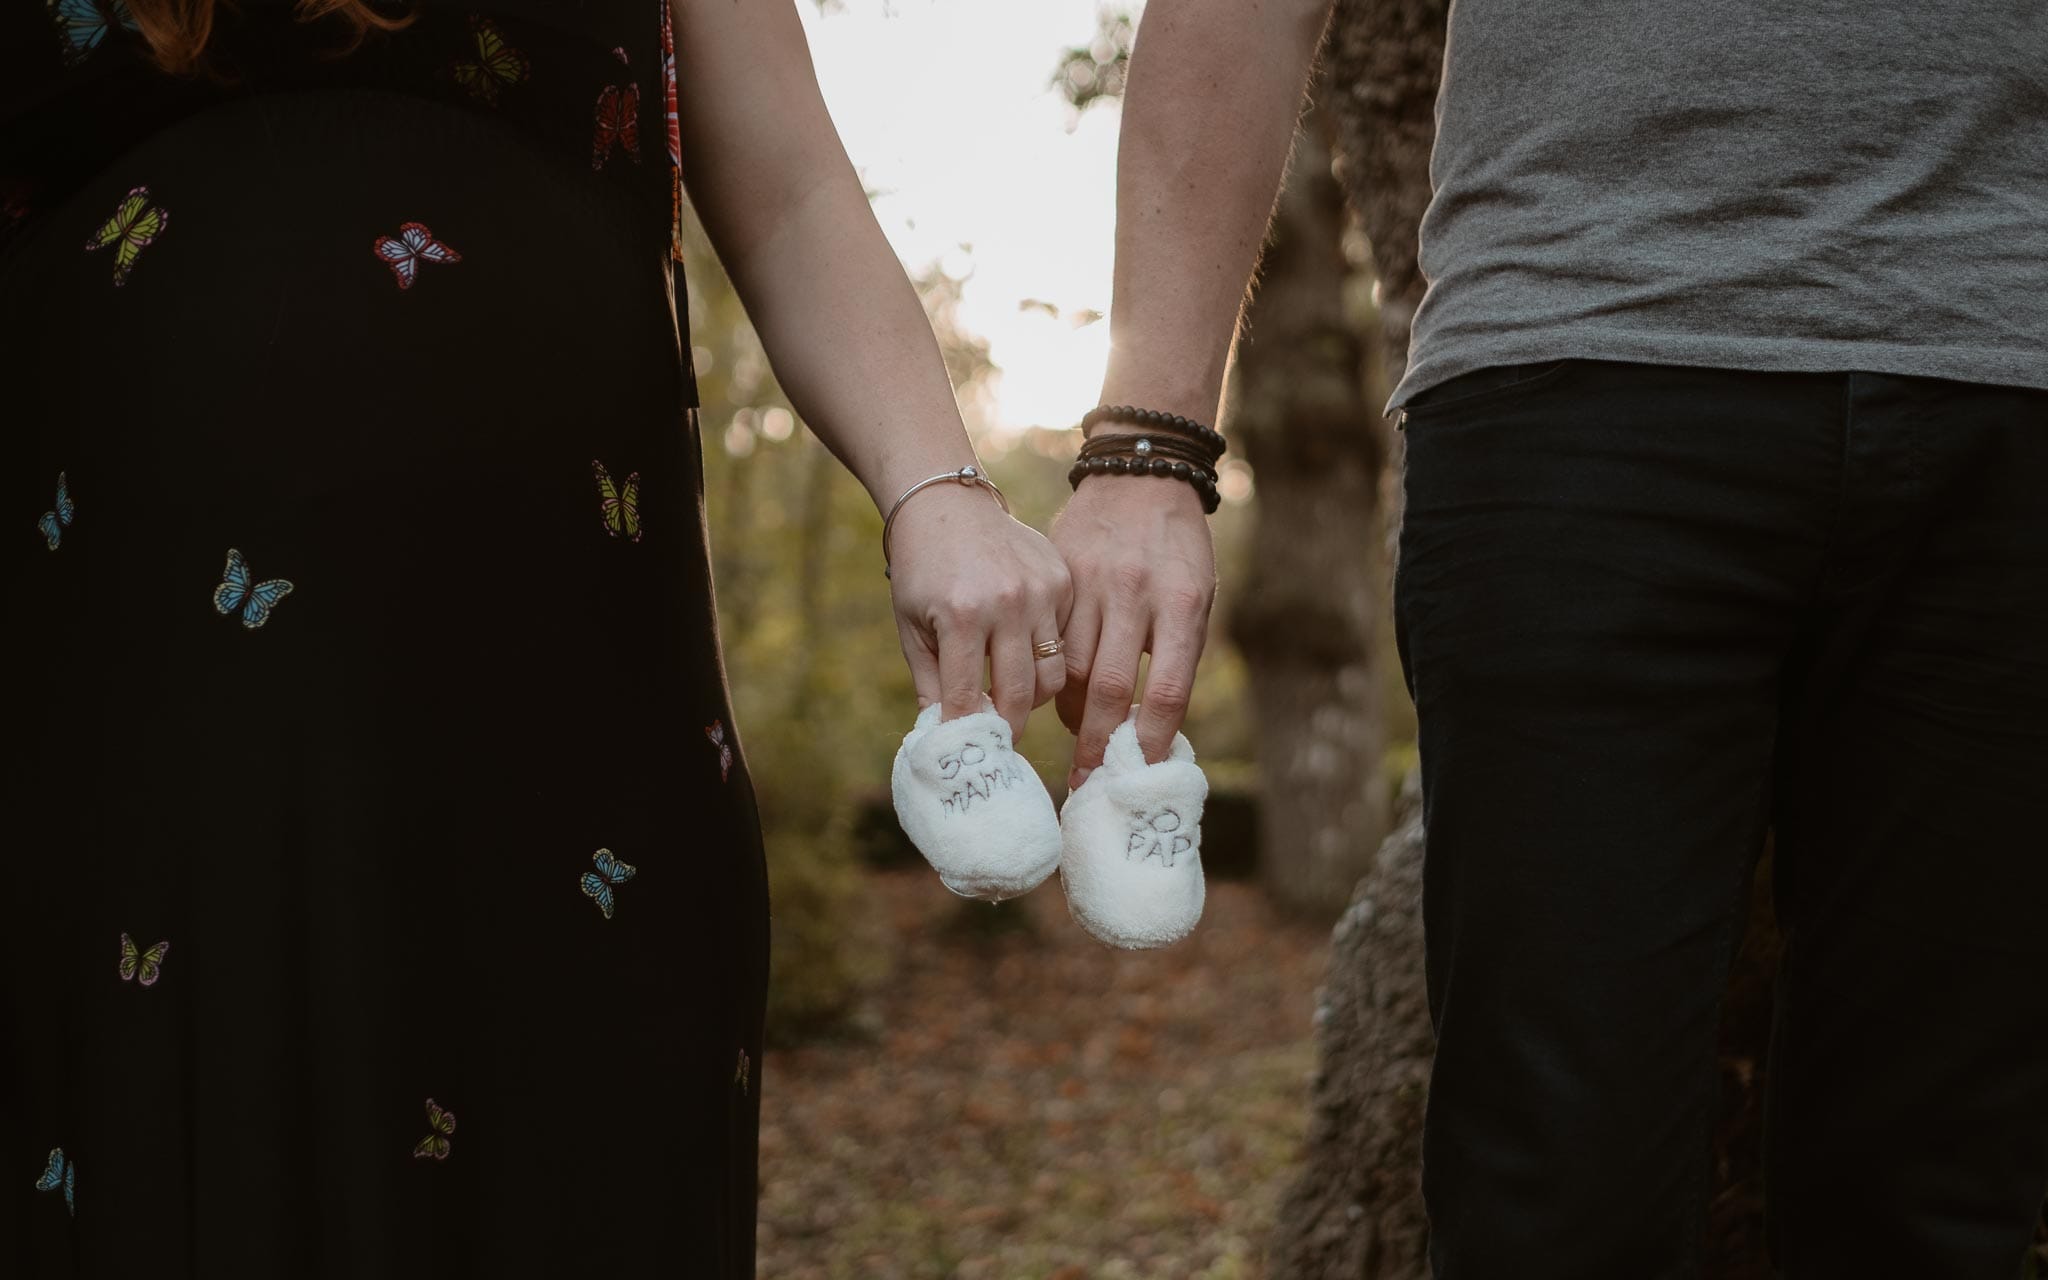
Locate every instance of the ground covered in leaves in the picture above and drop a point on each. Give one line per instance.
(1028, 1104)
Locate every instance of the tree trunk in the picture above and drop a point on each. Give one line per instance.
(1356, 1209)
(1304, 617)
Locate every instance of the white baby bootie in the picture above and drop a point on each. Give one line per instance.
(1132, 835)
(972, 806)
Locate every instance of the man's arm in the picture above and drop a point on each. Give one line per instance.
(1210, 104)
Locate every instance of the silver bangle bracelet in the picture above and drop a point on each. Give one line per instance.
(967, 475)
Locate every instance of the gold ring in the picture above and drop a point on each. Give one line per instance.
(1047, 649)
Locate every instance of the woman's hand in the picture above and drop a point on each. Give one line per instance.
(972, 584)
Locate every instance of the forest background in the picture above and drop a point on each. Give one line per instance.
(958, 1091)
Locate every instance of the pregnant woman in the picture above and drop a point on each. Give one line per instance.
(384, 894)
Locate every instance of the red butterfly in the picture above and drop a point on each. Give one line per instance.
(618, 121)
(413, 245)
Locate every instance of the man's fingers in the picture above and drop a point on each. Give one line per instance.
(1013, 681)
(961, 651)
(924, 664)
(1112, 679)
(1176, 650)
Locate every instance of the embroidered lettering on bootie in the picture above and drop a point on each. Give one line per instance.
(973, 807)
(1132, 844)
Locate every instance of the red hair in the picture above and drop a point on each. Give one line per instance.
(177, 30)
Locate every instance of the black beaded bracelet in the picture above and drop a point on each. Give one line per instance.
(1171, 468)
(1153, 418)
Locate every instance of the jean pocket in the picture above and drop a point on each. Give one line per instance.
(1496, 383)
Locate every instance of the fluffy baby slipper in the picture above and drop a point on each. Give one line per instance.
(1132, 864)
(972, 806)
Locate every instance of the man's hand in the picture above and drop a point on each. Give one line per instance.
(1144, 577)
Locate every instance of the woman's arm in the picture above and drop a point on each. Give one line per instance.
(852, 347)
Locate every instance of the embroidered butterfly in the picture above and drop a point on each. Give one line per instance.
(133, 228)
(497, 64)
(84, 23)
(144, 967)
(54, 523)
(716, 732)
(412, 245)
(619, 508)
(610, 871)
(61, 1173)
(239, 590)
(441, 1122)
(618, 122)
(739, 1077)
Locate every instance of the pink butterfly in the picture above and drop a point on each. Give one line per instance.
(618, 121)
(413, 245)
(716, 732)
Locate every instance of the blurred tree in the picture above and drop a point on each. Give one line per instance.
(1304, 615)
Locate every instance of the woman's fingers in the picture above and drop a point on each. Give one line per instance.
(962, 648)
(1083, 632)
(1012, 680)
(1049, 670)
(924, 662)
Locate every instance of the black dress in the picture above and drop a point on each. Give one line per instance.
(383, 893)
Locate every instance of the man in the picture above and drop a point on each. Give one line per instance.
(1727, 508)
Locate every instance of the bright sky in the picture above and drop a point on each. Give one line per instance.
(947, 110)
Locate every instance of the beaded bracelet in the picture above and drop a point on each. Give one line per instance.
(1153, 418)
(1138, 465)
(1171, 447)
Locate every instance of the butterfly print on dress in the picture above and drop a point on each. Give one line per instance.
(716, 732)
(598, 884)
(618, 124)
(61, 1172)
(144, 967)
(618, 506)
(133, 228)
(85, 23)
(441, 1123)
(497, 65)
(54, 523)
(412, 245)
(239, 592)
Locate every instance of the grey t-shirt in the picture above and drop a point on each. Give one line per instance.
(1759, 184)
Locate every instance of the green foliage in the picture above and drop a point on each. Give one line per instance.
(1094, 72)
(821, 692)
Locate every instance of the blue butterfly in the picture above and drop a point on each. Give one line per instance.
(610, 871)
(54, 523)
(255, 601)
(61, 1173)
(84, 23)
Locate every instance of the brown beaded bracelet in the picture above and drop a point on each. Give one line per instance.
(1142, 464)
(1154, 418)
(1152, 446)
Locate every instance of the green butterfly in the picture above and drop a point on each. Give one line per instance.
(134, 226)
(618, 505)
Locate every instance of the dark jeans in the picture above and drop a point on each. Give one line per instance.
(1647, 612)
